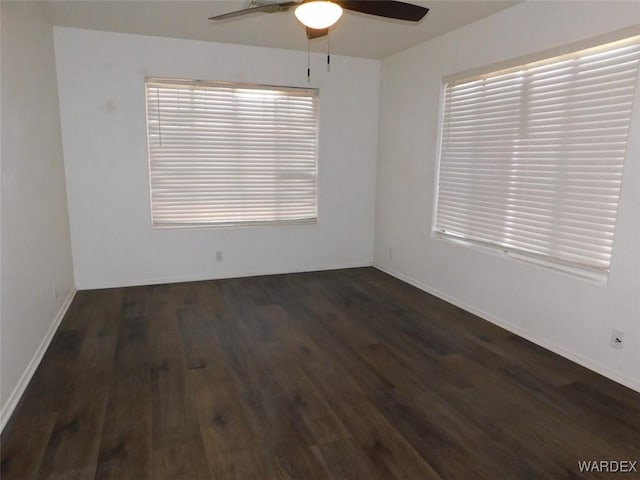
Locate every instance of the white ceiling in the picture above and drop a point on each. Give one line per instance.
(355, 34)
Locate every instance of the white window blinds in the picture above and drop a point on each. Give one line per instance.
(227, 154)
(531, 158)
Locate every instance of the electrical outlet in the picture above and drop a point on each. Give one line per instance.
(219, 256)
(390, 253)
(617, 339)
(55, 291)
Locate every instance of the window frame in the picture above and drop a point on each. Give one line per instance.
(628, 35)
(314, 93)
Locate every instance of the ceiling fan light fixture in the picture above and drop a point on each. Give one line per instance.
(318, 14)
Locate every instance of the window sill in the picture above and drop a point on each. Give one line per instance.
(593, 277)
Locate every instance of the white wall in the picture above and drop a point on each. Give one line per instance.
(101, 84)
(37, 277)
(566, 314)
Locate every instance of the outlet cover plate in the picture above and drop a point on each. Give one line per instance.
(617, 339)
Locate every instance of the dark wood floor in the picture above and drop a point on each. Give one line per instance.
(345, 374)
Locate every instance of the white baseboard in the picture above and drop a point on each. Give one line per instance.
(205, 277)
(21, 386)
(597, 367)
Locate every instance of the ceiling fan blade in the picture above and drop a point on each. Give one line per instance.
(274, 7)
(316, 32)
(386, 8)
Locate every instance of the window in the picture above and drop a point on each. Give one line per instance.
(531, 157)
(231, 154)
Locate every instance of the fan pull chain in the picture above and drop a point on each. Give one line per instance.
(328, 52)
(308, 60)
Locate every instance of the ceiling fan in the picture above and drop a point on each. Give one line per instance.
(318, 15)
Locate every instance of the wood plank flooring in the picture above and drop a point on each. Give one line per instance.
(347, 374)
